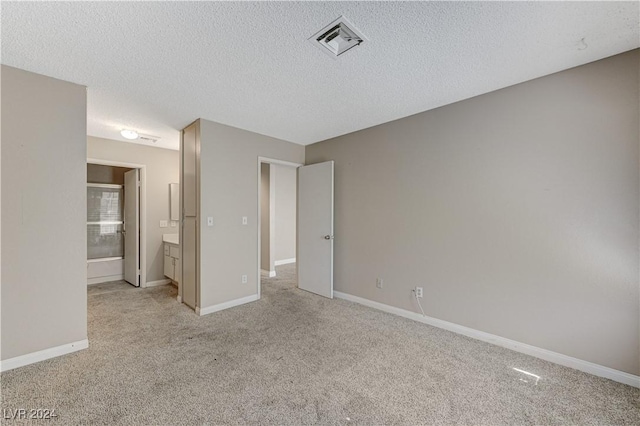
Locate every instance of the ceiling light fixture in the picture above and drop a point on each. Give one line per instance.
(129, 134)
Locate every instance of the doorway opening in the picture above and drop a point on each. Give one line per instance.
(115, 223)
(277, 227)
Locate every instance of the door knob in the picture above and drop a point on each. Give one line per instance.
(328, 237)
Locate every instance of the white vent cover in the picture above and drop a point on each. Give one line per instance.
(337, 37)
(148, 138)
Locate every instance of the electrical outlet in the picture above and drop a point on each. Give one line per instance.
(379, 282)
(173, 223)
(244, 279)
(163, 224)
(418, 291)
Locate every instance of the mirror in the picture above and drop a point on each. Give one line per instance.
(174, 201)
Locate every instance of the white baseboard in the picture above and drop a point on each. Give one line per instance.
(284, 261)
(226, 305)
(105, 279)
(557, 358)
(270, 273)
(22, 360)
(157, 282)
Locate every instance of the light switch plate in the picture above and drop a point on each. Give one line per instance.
(209, 221)
(173, 223)
(244, 220)
(163, 224)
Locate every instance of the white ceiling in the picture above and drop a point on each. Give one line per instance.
(156, 67)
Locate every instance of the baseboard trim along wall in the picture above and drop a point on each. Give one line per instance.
(105, 279)
(22, 360)
(157, 282)
(284, 261)
(226, 305)
(270, 273)
(557, 358)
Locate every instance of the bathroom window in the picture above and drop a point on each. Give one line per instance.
(105, 219)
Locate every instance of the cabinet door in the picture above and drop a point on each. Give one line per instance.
(177, 272)
(168, 267)
(189, 262)
(189, 169)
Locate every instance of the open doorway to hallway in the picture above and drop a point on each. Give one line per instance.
(278, 228)
(113, 224)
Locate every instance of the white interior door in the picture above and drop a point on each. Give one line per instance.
(131, 228)
(315, 228)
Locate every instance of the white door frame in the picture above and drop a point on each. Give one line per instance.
(268, 160)
(143, 209)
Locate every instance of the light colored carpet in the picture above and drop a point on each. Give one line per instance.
(296, 358)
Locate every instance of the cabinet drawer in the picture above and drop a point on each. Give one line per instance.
(174, 251)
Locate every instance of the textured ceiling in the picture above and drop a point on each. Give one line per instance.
(156, 67)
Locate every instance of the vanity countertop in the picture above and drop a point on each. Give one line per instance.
(170, 238)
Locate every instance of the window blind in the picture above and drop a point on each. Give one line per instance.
(105, 215)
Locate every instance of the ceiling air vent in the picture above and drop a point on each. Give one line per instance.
(337, 37)
(149, 138)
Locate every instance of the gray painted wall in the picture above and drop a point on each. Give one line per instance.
(285, 211)
(162, 168)
(266, 218)
(517, 211)
(229, 190)
(44, 240)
